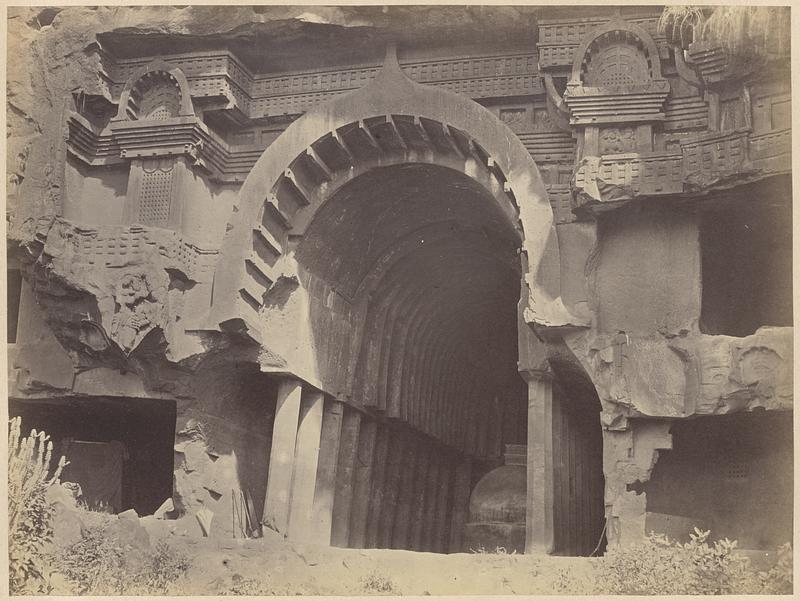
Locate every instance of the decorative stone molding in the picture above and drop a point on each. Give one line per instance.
(714, 158)
(111, 291)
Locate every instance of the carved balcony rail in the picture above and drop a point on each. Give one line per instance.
(709, 161)
(772, 152)
(561, 201)
(625, 176)
(221, 75)
(716, 156)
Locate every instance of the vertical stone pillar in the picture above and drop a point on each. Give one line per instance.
(305, 466)
(461, 493)
(401, 532)
(431, 489)
(363, 481)
(441, 536)
(281, 458)
(420, 484)
(394, 467)
(345, 477)
(540, 507)
(377, 487)
(327, 467)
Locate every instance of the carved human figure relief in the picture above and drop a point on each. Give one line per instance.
(615, 140)
(137, 310)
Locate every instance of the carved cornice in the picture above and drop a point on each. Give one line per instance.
(184, 136)
(618, 104)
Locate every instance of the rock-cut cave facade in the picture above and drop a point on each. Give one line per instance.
(436, 279)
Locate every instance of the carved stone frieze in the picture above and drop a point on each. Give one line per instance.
(121, 282)
(617, 140)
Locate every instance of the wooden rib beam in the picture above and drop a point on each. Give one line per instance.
(423, 133)
(318, 163)
(337, 137)
(396, 132)
(452, 142)
(306, 196)
(368, 134)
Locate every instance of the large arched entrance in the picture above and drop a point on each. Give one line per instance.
(384, 253)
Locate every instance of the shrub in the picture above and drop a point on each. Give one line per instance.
(98, 564)
(29, 512)
(778, 579)
(659, 566)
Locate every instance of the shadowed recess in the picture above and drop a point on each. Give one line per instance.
(414, 278)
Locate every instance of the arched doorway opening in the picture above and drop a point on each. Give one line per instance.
(413, 278)
(384, 258)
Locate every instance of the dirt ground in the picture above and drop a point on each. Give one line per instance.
(240, 567)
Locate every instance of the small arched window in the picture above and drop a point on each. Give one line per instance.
(156, 96)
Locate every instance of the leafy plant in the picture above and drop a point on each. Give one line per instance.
(778, 579)
(29, 512)
(99, 564)
(659, 566)
(681, 24)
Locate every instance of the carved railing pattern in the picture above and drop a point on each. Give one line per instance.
(704, 162)
(637, 174)
(121, 245)
(221, 74)
(716, 156)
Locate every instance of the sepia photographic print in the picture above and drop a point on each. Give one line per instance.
(399, 300)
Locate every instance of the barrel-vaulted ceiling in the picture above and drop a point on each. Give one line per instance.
(421, 264)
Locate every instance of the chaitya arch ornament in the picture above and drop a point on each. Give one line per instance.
(157, 92)
(392, 116)
(616, 77)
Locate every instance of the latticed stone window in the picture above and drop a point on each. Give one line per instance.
(156, 192)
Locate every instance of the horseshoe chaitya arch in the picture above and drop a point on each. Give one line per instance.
(397, 120)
